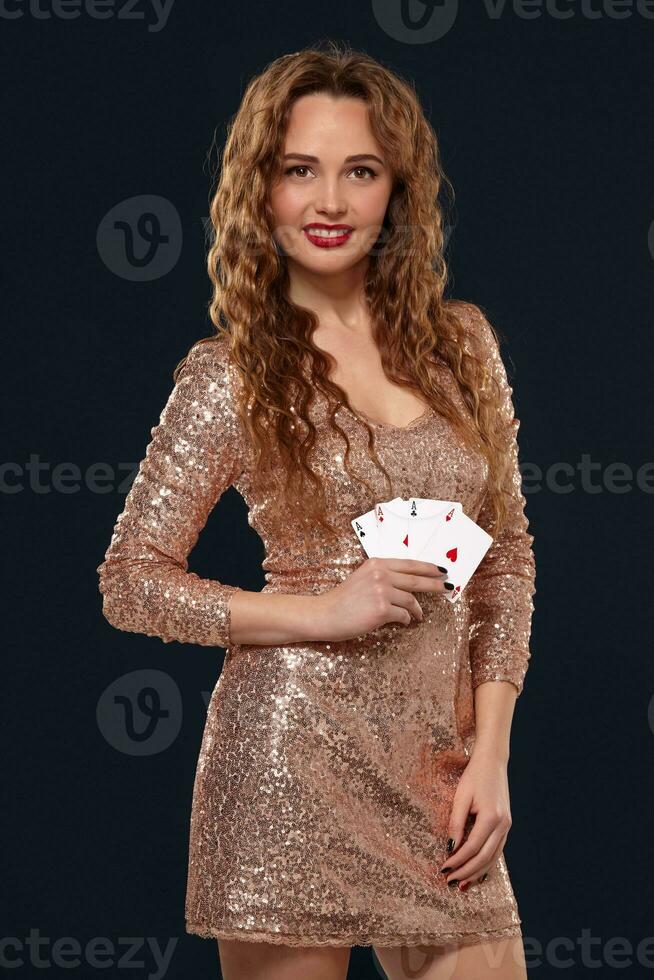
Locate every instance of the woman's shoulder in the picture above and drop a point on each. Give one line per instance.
(210, 359)
(469, 314)
(208, 375)
(209, 351)
(478, 330)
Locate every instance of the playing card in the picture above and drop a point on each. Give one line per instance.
(365, 528)
(404, 527)
(458, 546)
(426, 506)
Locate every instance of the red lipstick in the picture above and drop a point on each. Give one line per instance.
(332, 237)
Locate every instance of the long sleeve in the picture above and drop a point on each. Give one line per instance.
(502, 588)
(194, 455)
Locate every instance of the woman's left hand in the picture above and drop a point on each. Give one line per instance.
(483, 791)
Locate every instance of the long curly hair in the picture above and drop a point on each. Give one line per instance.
(414, 326)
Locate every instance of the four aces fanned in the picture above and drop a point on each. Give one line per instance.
(430, 530)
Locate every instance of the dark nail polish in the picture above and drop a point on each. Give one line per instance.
(450, 845)
(484, 877)
(449, 585)
(464, 886)
(445, 871)
(455, 881)
(441, 569)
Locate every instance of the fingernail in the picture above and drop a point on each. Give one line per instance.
(441, 569)
(445, 870)
(455, 881)
(449, 585)
(464, 886)
(484, 877)
(450, 845)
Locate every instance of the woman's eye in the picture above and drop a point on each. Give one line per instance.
(299, 166)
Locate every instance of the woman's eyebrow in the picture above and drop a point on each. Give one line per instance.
(351, 159)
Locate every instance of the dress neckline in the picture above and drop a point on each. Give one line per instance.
(414, 424)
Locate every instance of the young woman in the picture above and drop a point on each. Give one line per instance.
(351, 787)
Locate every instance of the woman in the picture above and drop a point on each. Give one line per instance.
(351, 787)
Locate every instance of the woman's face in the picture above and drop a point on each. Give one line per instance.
(321, 185)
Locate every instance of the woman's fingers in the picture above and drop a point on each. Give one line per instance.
(415, 580)
(411, 566)
(408, 601)
(477, 851)
(417, 583)
(474, 867)
(478, 876)
(481, 830)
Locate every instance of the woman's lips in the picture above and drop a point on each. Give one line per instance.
(328, 241)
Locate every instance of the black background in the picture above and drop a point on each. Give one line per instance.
(546, 133)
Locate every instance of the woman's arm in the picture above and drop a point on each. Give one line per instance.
(494, 709)
(501, 604)
(275, 618)
(502, 588)
(194, 455)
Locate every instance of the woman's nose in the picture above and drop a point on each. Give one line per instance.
(330, 198)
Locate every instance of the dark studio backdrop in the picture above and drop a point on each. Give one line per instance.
(545, 124)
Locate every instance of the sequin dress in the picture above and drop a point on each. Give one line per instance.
(327, 771)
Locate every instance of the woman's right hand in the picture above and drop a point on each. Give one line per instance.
(379, 591)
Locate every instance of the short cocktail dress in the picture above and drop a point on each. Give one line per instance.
(327, 770)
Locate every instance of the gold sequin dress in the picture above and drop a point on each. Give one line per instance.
(327, 771)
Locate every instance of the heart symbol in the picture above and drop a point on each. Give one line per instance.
(451, 555)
